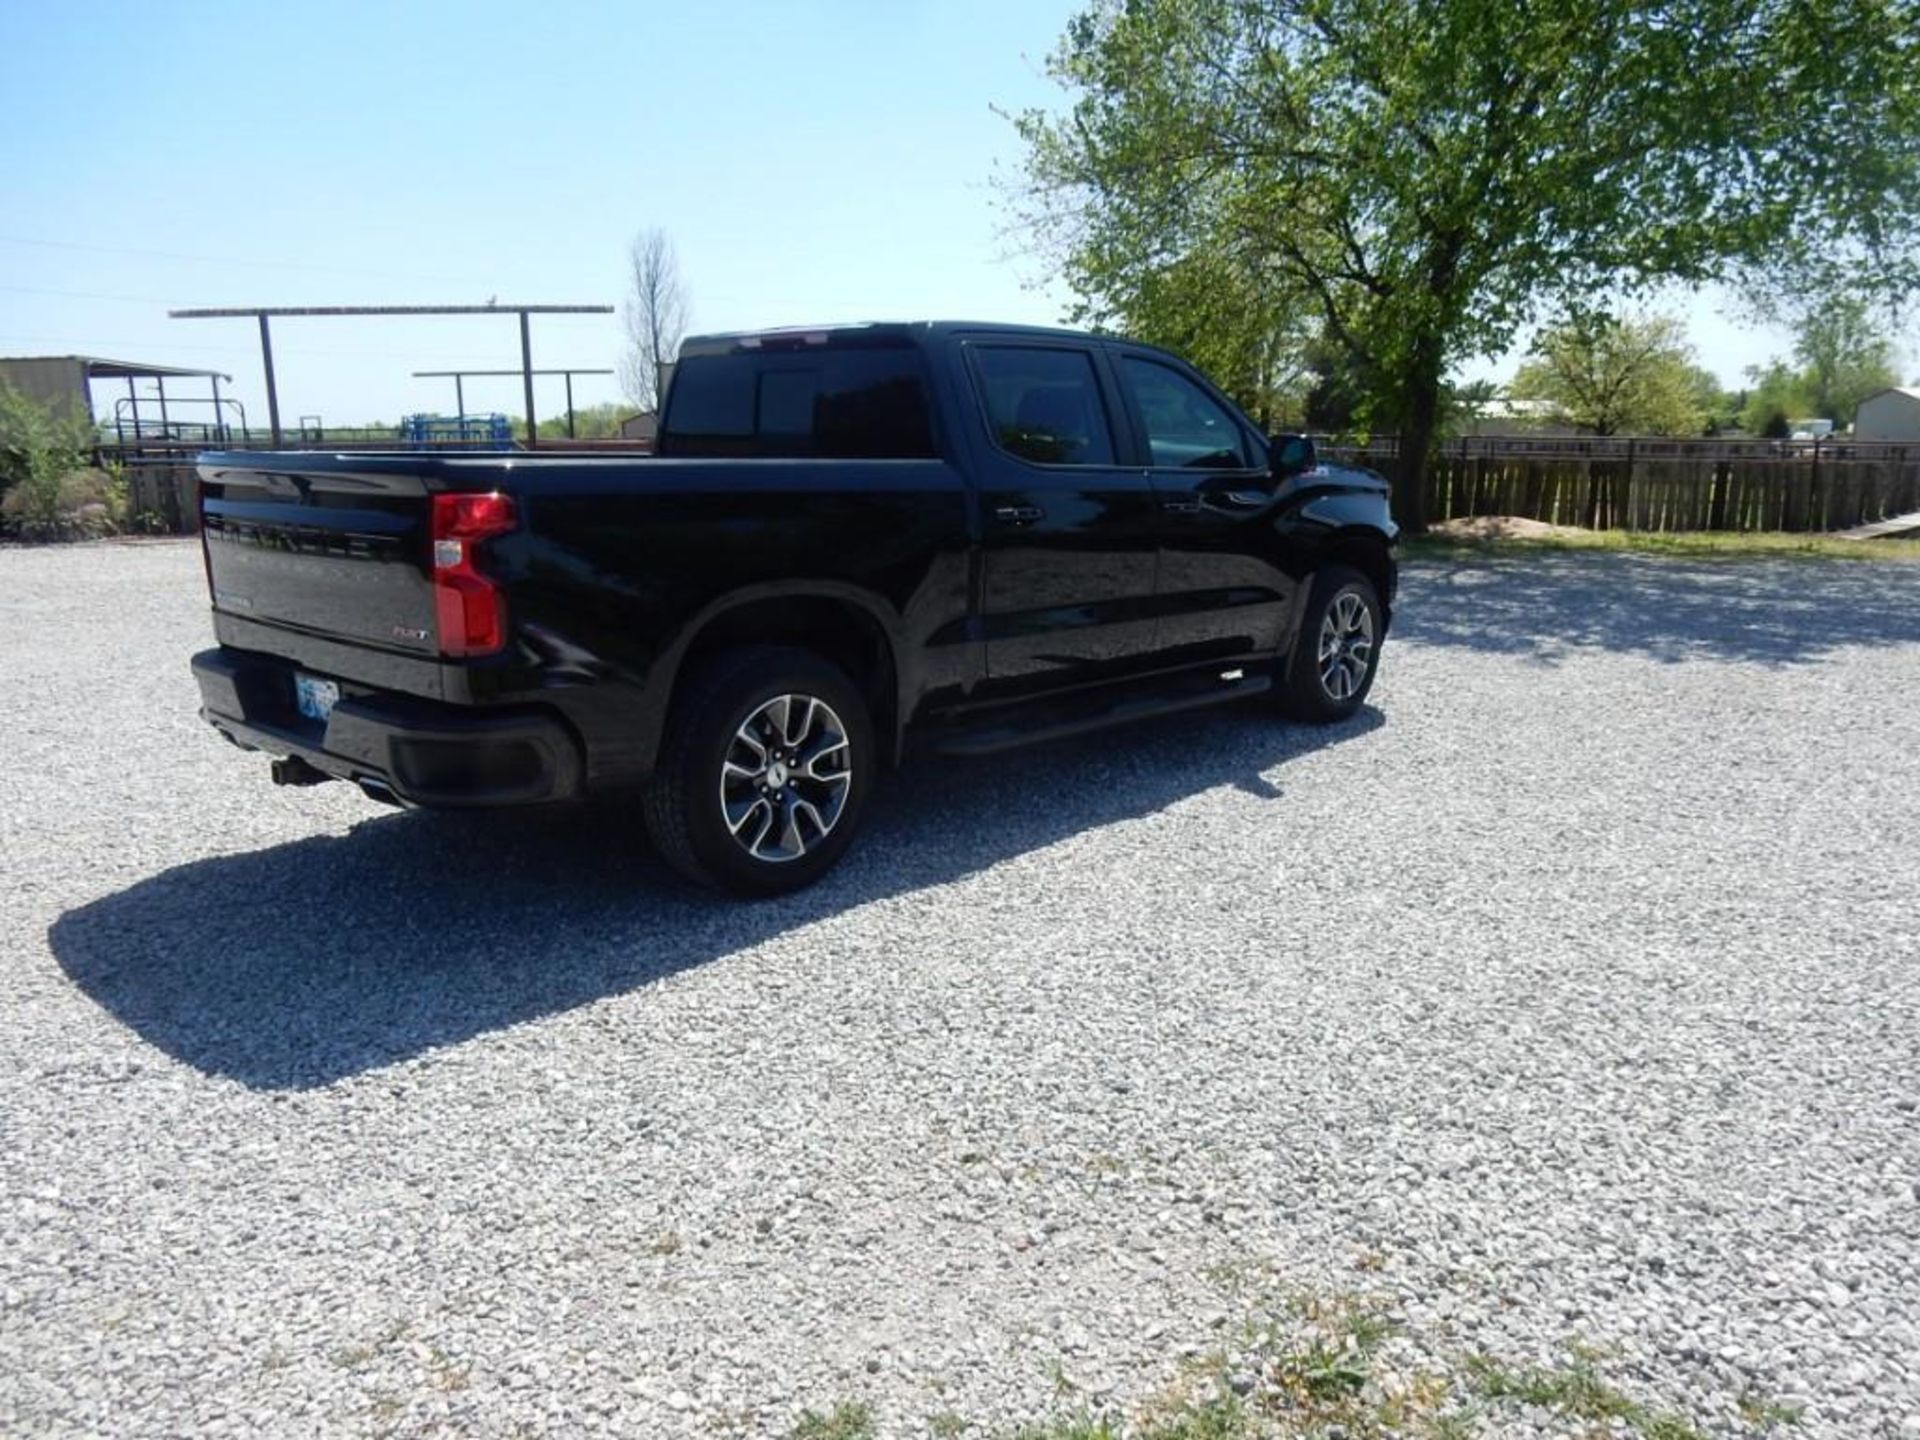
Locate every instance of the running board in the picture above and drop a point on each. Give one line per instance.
(1057, 718)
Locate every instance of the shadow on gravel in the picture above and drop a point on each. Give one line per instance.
(1543, 604)
(295, 966)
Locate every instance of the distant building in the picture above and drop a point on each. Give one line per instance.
(1890, 415)
(640, 428)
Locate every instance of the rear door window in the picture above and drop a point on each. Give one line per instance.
(1044, 405)
(868, 404)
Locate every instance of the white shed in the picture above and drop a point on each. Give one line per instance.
(1890, 415)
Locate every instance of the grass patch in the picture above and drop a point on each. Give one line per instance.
(1574, 1391)
(1319, 1365)
(1710, 543)
(1310, 1367)
(1078, 1427)
(1764, 1414)
(849, 1420)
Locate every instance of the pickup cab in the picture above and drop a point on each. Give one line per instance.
(852, 544)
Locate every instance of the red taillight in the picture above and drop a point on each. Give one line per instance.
(467, 602)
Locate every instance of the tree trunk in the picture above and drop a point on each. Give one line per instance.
(1418, 429)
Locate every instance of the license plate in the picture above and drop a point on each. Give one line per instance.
(315, 697)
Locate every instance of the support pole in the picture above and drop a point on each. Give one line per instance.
(526, 375)
(133, 397)
(219, 415)
(570, 434)
(273, 393)
(1814, 505)
(165, 431)
(459, 396)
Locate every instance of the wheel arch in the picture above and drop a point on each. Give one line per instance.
(854, 630)
(1370, 551)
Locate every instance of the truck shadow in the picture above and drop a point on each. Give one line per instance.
(307, 962)
(1544, 605)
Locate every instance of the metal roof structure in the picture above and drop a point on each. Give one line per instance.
(100, 368)
(264, 313)
(65, 382)
(247, 312)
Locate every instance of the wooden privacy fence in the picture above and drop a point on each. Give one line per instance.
(165, 495)
(1603, 484)
(1633, 483)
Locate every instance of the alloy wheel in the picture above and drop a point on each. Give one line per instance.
(785, 778)
(1346, 645)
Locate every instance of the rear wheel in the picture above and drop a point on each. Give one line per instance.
(763, 771)
(1337, 652)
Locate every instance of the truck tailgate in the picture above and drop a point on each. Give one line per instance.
(338, 552)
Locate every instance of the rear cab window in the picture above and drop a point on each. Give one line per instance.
(801, 402)
(1043, 404)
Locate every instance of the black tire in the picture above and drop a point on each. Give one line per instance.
(683, 802)
(1312, 692)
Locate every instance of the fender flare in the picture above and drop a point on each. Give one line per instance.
(664, 674)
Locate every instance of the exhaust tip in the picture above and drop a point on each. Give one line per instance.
(382, 794)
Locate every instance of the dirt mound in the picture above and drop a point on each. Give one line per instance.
(1500, 527)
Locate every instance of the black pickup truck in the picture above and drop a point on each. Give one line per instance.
(852, 543)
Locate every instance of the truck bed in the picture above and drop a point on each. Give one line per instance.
(322, 564)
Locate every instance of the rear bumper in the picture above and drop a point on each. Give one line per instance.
(416, 751)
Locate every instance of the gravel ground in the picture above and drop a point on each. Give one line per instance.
(1569, 994)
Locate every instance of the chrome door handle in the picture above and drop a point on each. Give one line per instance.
(1019, 514)
(1181, 507)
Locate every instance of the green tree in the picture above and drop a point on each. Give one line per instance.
(49, 489)
(1777, 395)
(1616, 376)
(1846, 356)
(1464, 406)
(37, 442)
(1223, 318)
(1719, 405)
(1425, 174)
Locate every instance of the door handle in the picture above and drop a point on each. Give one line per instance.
(1242, 499)
(1181, 507)
(1019, 514)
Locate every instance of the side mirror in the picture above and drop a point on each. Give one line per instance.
(1290, 455)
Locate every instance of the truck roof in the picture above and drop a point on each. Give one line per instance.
(881, 332)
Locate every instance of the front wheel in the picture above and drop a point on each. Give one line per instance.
(763, 772)
(1337, 652)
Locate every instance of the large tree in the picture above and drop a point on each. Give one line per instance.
(1776, 396)
(655, 316)
(1223, 318)
(1425, 174)
(1616, 376)
(1844, 356)
(1847, 358)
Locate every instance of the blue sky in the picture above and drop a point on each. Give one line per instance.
(825, 160)
(816, 161)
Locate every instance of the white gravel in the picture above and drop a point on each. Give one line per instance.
(1576, 985)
